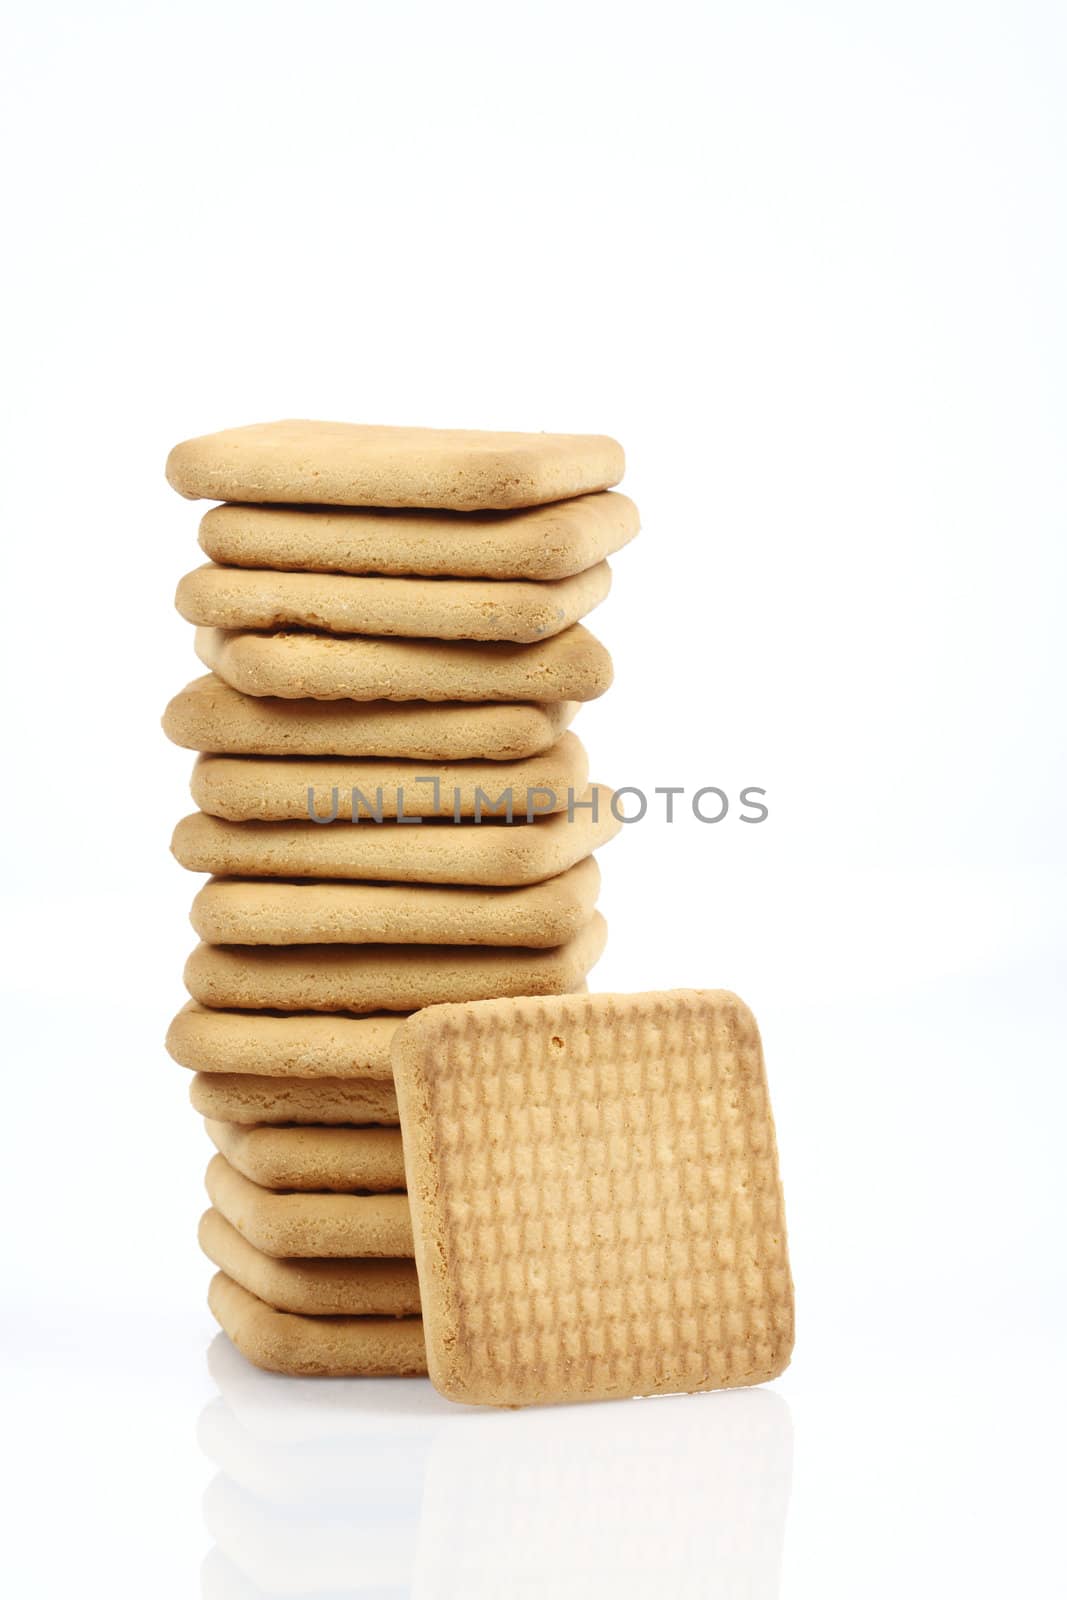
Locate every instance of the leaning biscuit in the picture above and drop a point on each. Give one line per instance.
(247, 1098)
(309, 1286)
(410, 608)
(309, 1224)
(383, 977)
(208, 715)
(303, 1045)
(342, 1159)
(359, 464)
(268, 911)
(492, 852)
(316, 1347)
(294, 789)
(595, 1197)
(572, 665)
(545, 543)
(326, 1287)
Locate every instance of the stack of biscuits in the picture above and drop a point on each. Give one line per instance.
(392, 812)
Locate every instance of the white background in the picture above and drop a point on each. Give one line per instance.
(807, 262)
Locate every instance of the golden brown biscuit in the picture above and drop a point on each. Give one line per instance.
(209, 715)
(302, 1045)
(247, 1098)
(343, 1159)
(595, 1197)
(309, 1224)
(360, 464)
(316, 1347)
(375, 1287)
(382, 977)
(572, 665)
(411, 608)
(539, 545)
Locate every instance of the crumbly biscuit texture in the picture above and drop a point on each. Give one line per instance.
(316, 1347)
(360, 464)
(247, 1098)
(310, 1224)
(304, 1045)
(491, 852)
(543, 544)
(318, 1287)
(572, 665)
(342, 1159)
(595, 1196)
(381, 977)
(210, 716)
(411, 608)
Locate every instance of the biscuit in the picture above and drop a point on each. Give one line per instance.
(316, 1347)
(572, 665)
(291, 788)
(343, 1159)
(492, 852)
(540, 545)
(310, 1224)
(267, 911)
(316, 1287)
(357, 464)
(595, 1197)
(411, 608)
(209, 715)
(304, 1045)
(382, 977)
(248, 1098)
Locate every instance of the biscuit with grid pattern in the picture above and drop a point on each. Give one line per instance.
(268, 911)
(249, 1098)
(298, 461)
(572, 665)
(294, 789)
(410, 608)
(297, 1045)
(302, 1224)
(312, 1286)
(595, 1197)
(316, 1347)
(342, 1159)
(544, 544)
(210, 716)
(384, 977)
(492, 852)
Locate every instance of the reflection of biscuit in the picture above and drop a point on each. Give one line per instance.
(314, 1286)
(572, 665)
(300, 462)
(266, 911)
(339, 1347)
(343, 1159)
(310, 1224)
(490, 852)
(384, 977)
(246, 1098)
(595, 1196)
(309, 1045)
(540, 545)
(411, 608)
(290, 789)
(209, 715)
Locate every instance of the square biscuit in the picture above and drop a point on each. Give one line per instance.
(310, 1286)
(270, 911)
(541, 545)
(411, 608)
(595, 1197)
(309, 1224)
(316, 1347)
(383, 977)
(492, 852)
(294, 788)
(572, 665)
(210, 716)
(358, 464)
(308, 1045)
(340, 1158)
(247, 1098)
